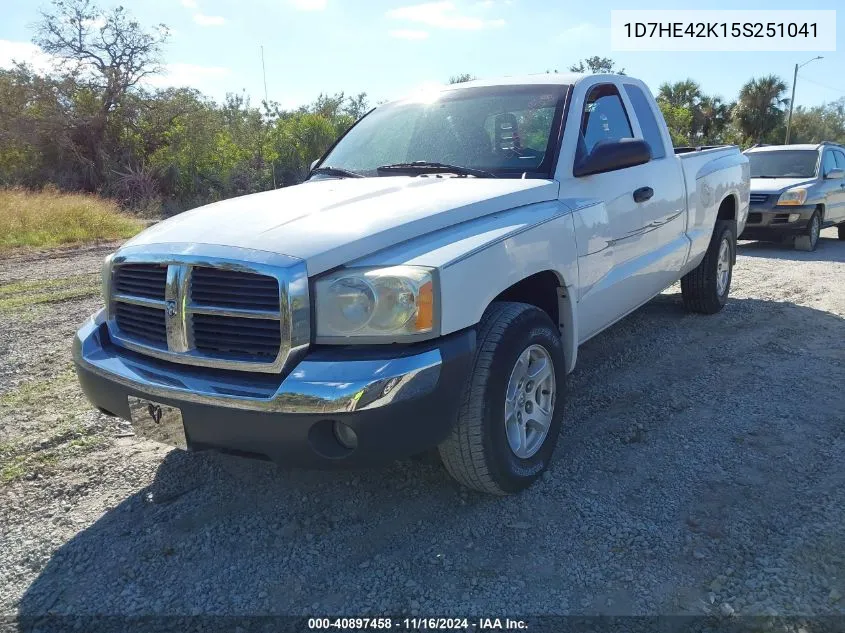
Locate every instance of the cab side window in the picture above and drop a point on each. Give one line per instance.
(828, 162)
(840, 158)
(603, 119)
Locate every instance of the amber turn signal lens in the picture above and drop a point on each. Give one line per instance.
(425, 311)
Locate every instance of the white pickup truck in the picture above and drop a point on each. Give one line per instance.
(428, 286)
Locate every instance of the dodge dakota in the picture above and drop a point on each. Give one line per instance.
(427, 287)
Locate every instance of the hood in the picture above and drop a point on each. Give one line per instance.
(331, 222)
(777, 185)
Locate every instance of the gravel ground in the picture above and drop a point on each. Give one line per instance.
(699, 472)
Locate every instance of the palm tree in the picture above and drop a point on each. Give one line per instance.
(681, 98)
(714, 116)
(681, 94)
(760, 107)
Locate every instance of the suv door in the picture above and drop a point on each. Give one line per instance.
(831, 190)
(837, 214)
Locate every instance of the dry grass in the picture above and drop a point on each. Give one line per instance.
(50, 218)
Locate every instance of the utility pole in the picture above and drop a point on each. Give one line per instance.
(266, 104)
(792, 100)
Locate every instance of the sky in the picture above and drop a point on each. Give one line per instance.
(390, 48)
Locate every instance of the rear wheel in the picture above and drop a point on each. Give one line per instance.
(810, 239)
(705, 288)
(511, 413)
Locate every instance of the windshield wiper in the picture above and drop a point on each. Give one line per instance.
(436, 168)
(336, 171)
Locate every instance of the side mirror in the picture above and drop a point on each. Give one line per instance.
(835, 174)
(313, 164)
(612, 155)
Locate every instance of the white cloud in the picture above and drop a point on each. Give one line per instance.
(442, 15)
(584, 33)
(96, 23)
(408, 34)
(26, 52)
(193, 75)
(190, 4)
(308, 5)
(209, 20)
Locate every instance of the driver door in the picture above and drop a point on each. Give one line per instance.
(609, 236)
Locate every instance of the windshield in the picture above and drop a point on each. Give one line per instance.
(799, 163)
(505, 130)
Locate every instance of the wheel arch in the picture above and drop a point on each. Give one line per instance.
(728, 209)
(548, 291)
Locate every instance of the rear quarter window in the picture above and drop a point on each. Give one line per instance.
(648, 122)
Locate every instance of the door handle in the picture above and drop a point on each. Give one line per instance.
(643, 193)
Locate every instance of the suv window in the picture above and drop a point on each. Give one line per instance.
(828, 162)
(645, 115)
(604, 119)
(840, 158)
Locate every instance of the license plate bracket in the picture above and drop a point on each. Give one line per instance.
(156, 421)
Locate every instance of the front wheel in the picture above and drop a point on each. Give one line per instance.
(705, 288)
(511, 413)
(810, 239)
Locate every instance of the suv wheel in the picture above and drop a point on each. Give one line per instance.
(511, 413)
(810, 240)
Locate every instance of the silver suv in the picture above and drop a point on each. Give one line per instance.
(796, 191)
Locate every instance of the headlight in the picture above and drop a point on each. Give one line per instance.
(390, 303)
(795, 196)
(106, 278)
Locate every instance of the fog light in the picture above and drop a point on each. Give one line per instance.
(345, 435)
(793, 217)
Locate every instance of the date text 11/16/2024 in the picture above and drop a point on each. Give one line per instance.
(417, 624)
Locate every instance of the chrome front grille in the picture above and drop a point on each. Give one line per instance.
(209, 311)
(758, 198)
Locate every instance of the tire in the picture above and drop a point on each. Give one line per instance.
(700, 287)
(841, 229)
(478, 453)
(809, 241)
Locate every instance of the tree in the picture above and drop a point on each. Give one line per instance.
(681, 94)
(597, 65)
(760, 108)
(820, 123)
(462, 78)
(107, 53)
(714, 119)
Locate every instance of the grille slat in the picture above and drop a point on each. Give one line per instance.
(141, 280)
(234, 289)
(141, 322)
(236, 337)
(758, 198)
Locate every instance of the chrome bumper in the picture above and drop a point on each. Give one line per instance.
(313, 386)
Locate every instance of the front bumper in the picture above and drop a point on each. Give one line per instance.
(768, 221)
(398, 400)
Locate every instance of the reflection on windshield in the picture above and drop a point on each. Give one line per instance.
(783, 164)
(506, 130)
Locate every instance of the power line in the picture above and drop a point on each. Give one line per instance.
(823, 85)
